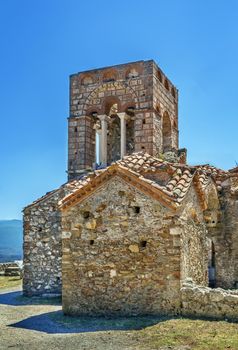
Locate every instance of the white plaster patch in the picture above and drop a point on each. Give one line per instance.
(66, 234)
(175, 231)
(113, 273)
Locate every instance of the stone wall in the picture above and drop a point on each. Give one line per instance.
(3, 266)
(118, 254)
(42, 246)
(224, 234)
(200, 301)
(133, 85)
(194, 252)
(165, 100)
(193, 235)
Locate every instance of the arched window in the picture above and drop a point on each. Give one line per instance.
(167, 133)
(131, 73)
(173, 92)
(87, 80)
(114, 139)
(111, 105)
(158, 109)
(110, 75)
(159, 76)
(166, 84)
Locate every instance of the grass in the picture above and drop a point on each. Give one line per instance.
(194, 334)
(150, 333)
(10, 282)
(162, 333)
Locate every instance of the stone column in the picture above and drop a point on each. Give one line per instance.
(104, 122)
(123, 117)
(98, 150)
(99, 131)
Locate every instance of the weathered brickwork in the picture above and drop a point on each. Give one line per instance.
(139, 89)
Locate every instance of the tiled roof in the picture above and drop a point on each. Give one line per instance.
(206, 171)
(141, 166)
(65, 189)
(212, 171)
(234, 170)
(147, 169)
(180, 175)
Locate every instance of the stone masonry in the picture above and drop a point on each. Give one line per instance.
(139, 89)
(135, 230)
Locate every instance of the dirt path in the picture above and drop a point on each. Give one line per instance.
(37, 324)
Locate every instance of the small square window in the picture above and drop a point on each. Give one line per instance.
(143, 244)
(136, 209)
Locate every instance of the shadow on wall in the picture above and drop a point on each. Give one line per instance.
(17, 299)
(57, 322)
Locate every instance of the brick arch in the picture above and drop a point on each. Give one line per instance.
(108, 102)
(166, 84)
(173, 92)
(110, 75)
(91, 110)
(159, 75)
(86, 79)
(96, 99)
(127, 105)
(129, 73)
(158, 109)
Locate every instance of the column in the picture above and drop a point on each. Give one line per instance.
(104, 121)
(98, 143)
(123, 118)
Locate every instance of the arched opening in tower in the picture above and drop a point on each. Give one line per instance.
(130, 143)
(114, 139)
(211, 265)
(167, 133)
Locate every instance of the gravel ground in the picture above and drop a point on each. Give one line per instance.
(39, 324)
(36, 324)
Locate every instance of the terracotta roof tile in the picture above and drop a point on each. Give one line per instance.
(143, 166)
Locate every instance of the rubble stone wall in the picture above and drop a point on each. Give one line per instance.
(225, 238)
(3, 266)
(118, 254)
(207, 302)
(193, 235)
(42, 247)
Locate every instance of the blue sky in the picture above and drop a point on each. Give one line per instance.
(43, 42)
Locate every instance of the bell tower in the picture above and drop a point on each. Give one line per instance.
(115, 111)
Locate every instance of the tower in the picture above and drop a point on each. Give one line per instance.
(115, 111)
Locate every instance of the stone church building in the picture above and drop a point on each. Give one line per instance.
(135, 230)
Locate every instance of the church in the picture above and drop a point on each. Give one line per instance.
(135, 230)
